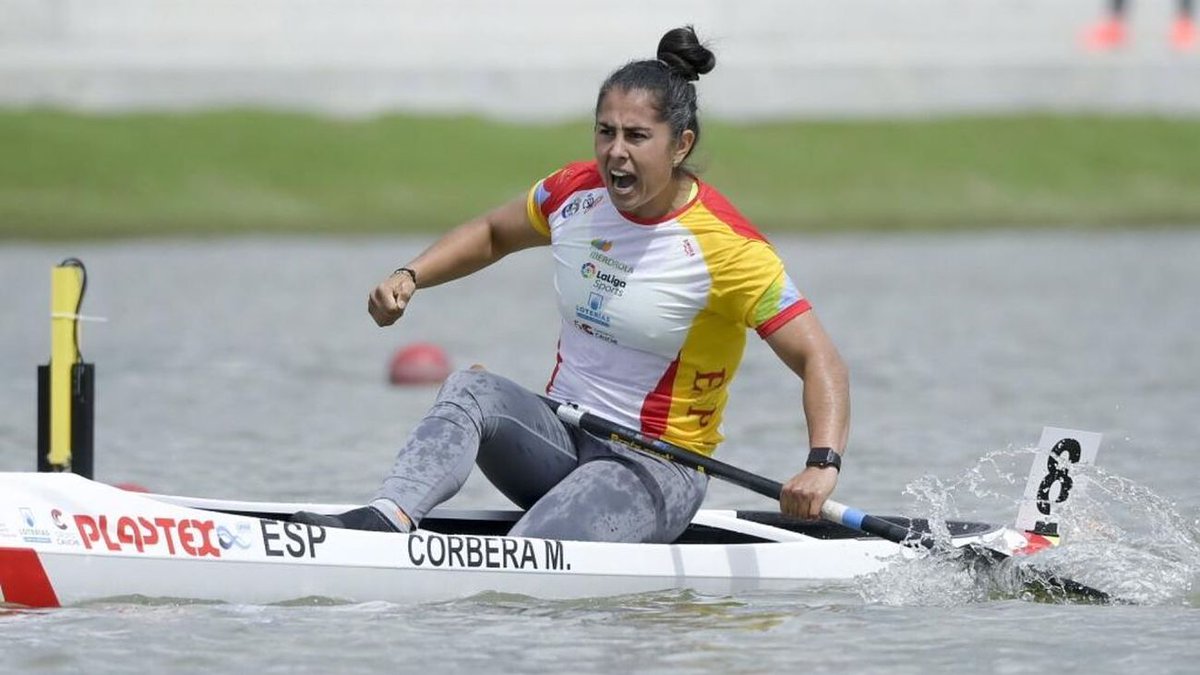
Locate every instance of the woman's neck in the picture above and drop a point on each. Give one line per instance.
(674, 196)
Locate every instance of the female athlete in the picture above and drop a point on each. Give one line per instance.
(658, 279)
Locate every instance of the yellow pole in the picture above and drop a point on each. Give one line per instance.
(66, 286)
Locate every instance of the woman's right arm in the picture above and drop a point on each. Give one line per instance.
(467, 248)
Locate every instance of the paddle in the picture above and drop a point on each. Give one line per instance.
(978, 556)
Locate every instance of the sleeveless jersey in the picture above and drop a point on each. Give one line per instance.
(655, 314)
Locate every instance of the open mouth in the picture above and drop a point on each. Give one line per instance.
(622, 181)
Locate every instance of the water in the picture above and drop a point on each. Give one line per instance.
(248, 369)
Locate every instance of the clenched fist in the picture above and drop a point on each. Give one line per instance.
(806, 492)
(387, 302)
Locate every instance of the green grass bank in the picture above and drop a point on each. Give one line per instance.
(68, 176)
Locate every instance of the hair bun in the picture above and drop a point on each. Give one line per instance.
(681, 50)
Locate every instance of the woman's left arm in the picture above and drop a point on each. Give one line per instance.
(804, 346)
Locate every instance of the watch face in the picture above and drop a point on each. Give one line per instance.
(823, 457)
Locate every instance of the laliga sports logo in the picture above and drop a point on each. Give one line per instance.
(605, 282)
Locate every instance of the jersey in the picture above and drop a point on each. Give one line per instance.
(655, 314)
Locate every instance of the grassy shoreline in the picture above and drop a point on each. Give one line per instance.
(65, 175)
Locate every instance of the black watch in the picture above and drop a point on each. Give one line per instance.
(824, 457)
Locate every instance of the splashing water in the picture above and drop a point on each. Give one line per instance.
(1117, 535)
(1132, 542)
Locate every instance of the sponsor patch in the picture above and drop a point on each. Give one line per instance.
(605, 282)
(228, 538)
(594, 310)
(31, 529)
(183, 537)
(600, 257)
(589, 329)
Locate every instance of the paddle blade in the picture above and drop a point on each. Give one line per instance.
(1011, 576)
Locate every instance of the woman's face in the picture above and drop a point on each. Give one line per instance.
(636, 153)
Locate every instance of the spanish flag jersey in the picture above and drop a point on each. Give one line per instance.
(654, 314)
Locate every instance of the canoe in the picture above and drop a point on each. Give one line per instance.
(65, 540)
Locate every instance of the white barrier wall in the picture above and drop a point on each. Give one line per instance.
(543, 59)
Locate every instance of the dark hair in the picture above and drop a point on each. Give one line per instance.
(681, 61)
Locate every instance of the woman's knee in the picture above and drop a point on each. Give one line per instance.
(464, 379)
(470, 384)
(487, 398)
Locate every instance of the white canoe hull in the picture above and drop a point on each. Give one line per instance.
(66, 540)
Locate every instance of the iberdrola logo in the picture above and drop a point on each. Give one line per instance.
(588, 270)
(602, 245)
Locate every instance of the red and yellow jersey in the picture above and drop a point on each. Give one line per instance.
(654, 314)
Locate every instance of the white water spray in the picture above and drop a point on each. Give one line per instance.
(1119, 536)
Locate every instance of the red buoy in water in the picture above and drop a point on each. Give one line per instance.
(419, 363)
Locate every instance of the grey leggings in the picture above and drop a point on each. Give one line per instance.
(573, 484)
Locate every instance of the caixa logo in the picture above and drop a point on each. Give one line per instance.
(145, 535)
(591, 331)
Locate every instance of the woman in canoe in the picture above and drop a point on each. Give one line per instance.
(658, 279)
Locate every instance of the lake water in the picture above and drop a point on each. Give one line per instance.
(248, 369)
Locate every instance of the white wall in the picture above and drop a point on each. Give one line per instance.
(537, 59)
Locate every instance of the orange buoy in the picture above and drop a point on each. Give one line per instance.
(419, 363)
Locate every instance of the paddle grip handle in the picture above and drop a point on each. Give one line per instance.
(864, 522)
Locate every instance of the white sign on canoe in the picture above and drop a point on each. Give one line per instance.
(1055, 477)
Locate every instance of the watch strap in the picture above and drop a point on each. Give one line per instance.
(823, 457)
(406, 270)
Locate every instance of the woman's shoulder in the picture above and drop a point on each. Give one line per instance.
(554, 190)
(581, 175)
(723, 216)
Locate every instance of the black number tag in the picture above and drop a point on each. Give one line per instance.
(1058, 473)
